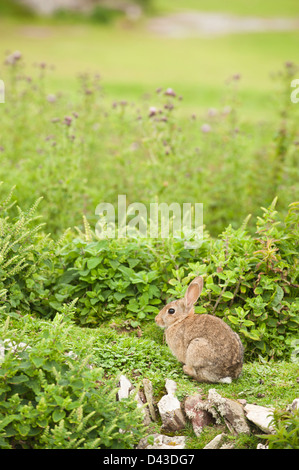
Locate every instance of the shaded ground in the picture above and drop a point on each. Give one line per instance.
(193, 23)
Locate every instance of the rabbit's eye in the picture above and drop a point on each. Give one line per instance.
(171, 310)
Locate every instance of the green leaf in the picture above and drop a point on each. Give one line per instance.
(228, 295)
(278, 296)
(215, 288)
(93, 262)
(68, 276)
(113, 263)
(133, 262)
(58, 414)
(119, 296)
(23, 429)
(233, 320)
(17, 379)
(252, 334)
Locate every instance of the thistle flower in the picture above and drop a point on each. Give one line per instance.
(205, 128)
(169, 106)
(169, 92)
(236, 76)
(13, 58)
(51, 98)
(152, 111)
(68, 120)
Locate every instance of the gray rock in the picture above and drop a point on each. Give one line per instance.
(148, 392)
(260, 416)
(231, 411)
(295, 404)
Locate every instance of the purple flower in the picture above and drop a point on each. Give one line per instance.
(152, 111)
(13, 58)
(236, 76)
(51, 98)
(169, 106)
(169, 92)
(68, 120)
(205, 128)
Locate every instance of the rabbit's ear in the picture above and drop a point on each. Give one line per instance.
(193, 291)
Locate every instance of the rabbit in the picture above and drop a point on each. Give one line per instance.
(209, 349)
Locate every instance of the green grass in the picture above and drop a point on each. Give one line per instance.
(133, 62)
(266, 8)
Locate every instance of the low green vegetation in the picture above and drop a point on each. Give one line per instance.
(49, 399)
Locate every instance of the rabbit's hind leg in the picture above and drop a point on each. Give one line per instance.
(198, 361)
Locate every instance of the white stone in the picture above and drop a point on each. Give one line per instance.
(170, 409)
(295, 404)
(260, 416)
(125, 387)
(262, 446)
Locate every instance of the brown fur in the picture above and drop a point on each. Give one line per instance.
(205, 344)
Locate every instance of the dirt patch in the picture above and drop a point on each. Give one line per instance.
(195, 23)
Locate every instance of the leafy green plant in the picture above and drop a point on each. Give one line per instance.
(253, 282)
(109, 276)
(50, 398)
(286, 430)
(24, 254)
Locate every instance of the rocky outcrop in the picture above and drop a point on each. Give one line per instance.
(237, 415)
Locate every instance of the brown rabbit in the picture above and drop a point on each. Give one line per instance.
(208, 347)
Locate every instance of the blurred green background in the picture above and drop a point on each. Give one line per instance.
(120, 41)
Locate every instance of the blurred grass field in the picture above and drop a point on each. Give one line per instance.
(132, 61)
(265, 8)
